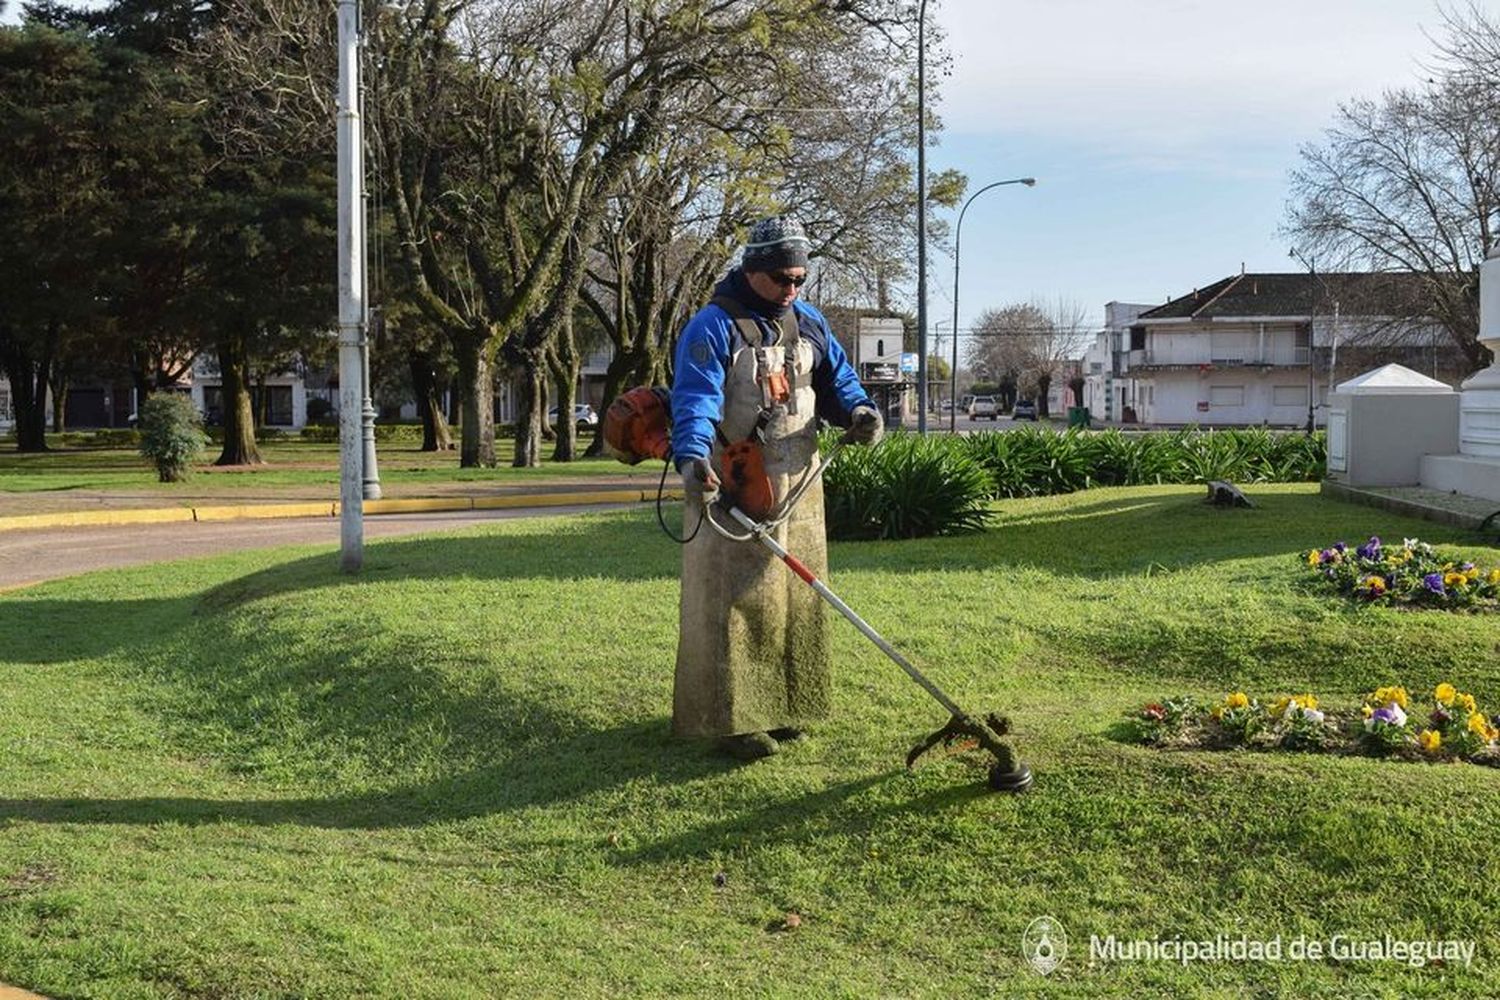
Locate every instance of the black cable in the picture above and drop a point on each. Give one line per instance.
(661, 488)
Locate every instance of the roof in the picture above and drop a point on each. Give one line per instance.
(1394, 379)
(1298, 294)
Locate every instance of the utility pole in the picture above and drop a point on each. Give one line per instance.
(351, 249)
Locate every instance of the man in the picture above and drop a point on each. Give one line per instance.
(752, 653)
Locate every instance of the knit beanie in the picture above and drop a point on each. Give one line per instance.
(775, 243)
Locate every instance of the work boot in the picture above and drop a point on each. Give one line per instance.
(787, 734)
(749, 746)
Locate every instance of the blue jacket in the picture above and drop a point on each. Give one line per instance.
(703, 357)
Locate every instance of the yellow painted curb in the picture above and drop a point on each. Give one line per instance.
(78, 518)
(322, 508)
(559, 499)
(418, 505)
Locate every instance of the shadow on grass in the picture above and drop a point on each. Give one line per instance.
(542, 774)
(806, 819)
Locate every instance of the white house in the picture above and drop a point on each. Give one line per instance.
(1263, 348)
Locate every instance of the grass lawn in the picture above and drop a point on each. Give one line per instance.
(451, 776)
(288, 463)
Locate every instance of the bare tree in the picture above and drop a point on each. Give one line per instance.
(1022, 347)
(1411, 182)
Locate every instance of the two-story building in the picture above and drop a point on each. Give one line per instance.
(1264, 348)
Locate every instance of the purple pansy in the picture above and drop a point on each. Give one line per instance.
(1370, 550)
(1433, 582)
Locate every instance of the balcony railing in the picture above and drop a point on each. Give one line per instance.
(1293, 357)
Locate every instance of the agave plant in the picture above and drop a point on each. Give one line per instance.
(908, 486)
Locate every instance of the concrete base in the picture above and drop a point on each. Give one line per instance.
(1474, 477)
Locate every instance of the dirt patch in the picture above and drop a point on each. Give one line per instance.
(30, 877)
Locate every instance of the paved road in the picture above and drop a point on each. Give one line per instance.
(33, 556)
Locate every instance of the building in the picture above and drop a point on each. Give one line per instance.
(1108, 390)
(1264, 348)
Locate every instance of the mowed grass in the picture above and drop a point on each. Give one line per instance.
(452, 776)
(287, 463)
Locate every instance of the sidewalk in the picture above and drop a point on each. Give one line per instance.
(29, 510)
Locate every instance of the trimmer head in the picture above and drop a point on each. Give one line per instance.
(1008, 774)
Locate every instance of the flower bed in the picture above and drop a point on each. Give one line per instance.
(1385, 724)
(1411, 575)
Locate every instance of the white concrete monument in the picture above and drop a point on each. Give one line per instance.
(1475, 470)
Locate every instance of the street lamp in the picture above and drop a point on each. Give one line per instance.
(1312, 318)
(958, 235)
(922, 219)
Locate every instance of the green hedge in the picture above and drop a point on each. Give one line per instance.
(910, 487)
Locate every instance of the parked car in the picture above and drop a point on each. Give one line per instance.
(984, 407)
(584, 416)
(1024, 409)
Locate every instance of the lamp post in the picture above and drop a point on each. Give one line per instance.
(921, 218)
(958, 235)
(1312, 318)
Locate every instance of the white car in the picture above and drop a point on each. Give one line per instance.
(984, 407)
(584, 416)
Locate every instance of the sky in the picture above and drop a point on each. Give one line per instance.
(1161, 134)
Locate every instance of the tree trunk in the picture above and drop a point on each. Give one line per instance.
(239, 418)
(28, 392)
(529, 410)
(1043, 383)
(435, 435)
(59, 402)
(478, 434)
(565, 366)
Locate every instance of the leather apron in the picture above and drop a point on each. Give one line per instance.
(752, 652)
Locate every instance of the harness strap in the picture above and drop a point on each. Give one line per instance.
(748, 326)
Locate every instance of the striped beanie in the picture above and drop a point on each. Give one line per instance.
(774, 243)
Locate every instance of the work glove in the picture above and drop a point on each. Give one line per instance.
(865, 426)
(700, 485)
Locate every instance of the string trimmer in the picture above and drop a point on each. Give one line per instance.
(635, 428)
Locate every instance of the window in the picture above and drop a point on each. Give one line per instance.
(277, 409)
(1226, 395)
(1289, 395)
(1096, 367)
(880, 348)
(1137, 338)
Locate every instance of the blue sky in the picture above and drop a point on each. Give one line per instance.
(1161, 133)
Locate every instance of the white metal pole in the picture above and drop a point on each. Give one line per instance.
(351, 247)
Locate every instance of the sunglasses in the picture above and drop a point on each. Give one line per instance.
(787, 280)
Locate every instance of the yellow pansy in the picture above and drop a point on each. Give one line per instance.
(1314, 557)
(1494, 576)
(1430, 740)
(1307, 701)
(1455, 580)
(1237, 700)
(1367, 710)
(1445, 693)
(1477, 724)
(1465, 702)
(1394, 693)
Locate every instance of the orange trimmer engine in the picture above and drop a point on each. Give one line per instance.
(745, 480)
(638, 424)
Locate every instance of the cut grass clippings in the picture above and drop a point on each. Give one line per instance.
(452, 774)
